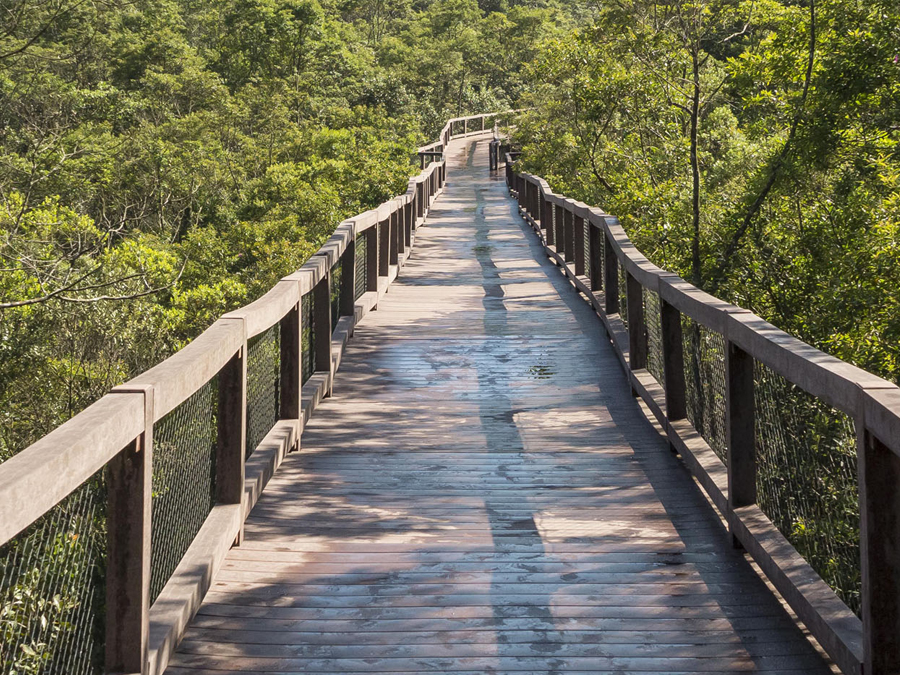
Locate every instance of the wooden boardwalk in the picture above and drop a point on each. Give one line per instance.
(482, 494)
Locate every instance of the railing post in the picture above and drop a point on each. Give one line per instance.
(322, 326)
(394, 220)
(578, 235)
(597, 253)
(610, 276)
(408, 224)
(291, 365)
(560, 234)
(879, 502)
(547, 220)
(232, 430)
(637, 326)
(673, 361)
(465, 127)
(570, 235)
(128, 532)
(348, 278)
(402, 242)
(420, 200)
(740, 428)
(384, 247)
(372, 258)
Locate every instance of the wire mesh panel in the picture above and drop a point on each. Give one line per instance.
(263, 385)
(361, 269)
(654, 336)
(807, 481)
(335, 292)
(623, 296)
(704, 376)
(184, 472)
(52, 587)
(307, 337)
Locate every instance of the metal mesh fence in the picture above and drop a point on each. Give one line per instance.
(52, 586)
(335, 292)
(361, 269)
(263, 385)
(654, 336)
(623, 296)
(807, 482)
(704, 376)
(184, 472)
(307, 337)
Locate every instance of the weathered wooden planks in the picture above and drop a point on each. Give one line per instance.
(482, 494)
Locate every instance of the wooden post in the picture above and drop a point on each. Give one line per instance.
(408, 224)
(637, 327)
(578, 235)
(420, 200)
(673, 361)
(291, 365)
(879, 502)
(570, 235)
(611, 276)
(597, 253)
(394, 242)
(401, 230)
(372, 258)
(465, 127)
(547, 220)
(558, 218)
(740, 427)
(128, 536)
(322, 326)
(232, 432)
(348, 279)
(384, 247)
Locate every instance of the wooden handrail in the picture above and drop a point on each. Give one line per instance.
(870, 645)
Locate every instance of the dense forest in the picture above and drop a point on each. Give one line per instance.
(164, 161)
(751, 146)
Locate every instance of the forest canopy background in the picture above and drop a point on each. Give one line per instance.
(163, 161)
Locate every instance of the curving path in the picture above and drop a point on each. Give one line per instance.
(482, 494)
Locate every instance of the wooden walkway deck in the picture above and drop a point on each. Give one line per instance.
(482, 494)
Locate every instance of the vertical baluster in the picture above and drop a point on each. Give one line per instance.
(578, 236)
(597, 252)
(570, 234)
(879, 502)
(322, 326)
(558, 224)
(637, 327)
(547, 221)
(394, 220)
(130, 487)
(291, 364)
(348, 278)
(232, 430)
(740, 427)
(611, 276)
(384, 247)
(372, 258)
(673, 361)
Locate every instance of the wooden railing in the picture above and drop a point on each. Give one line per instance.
(594, 252)
(115, 436)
